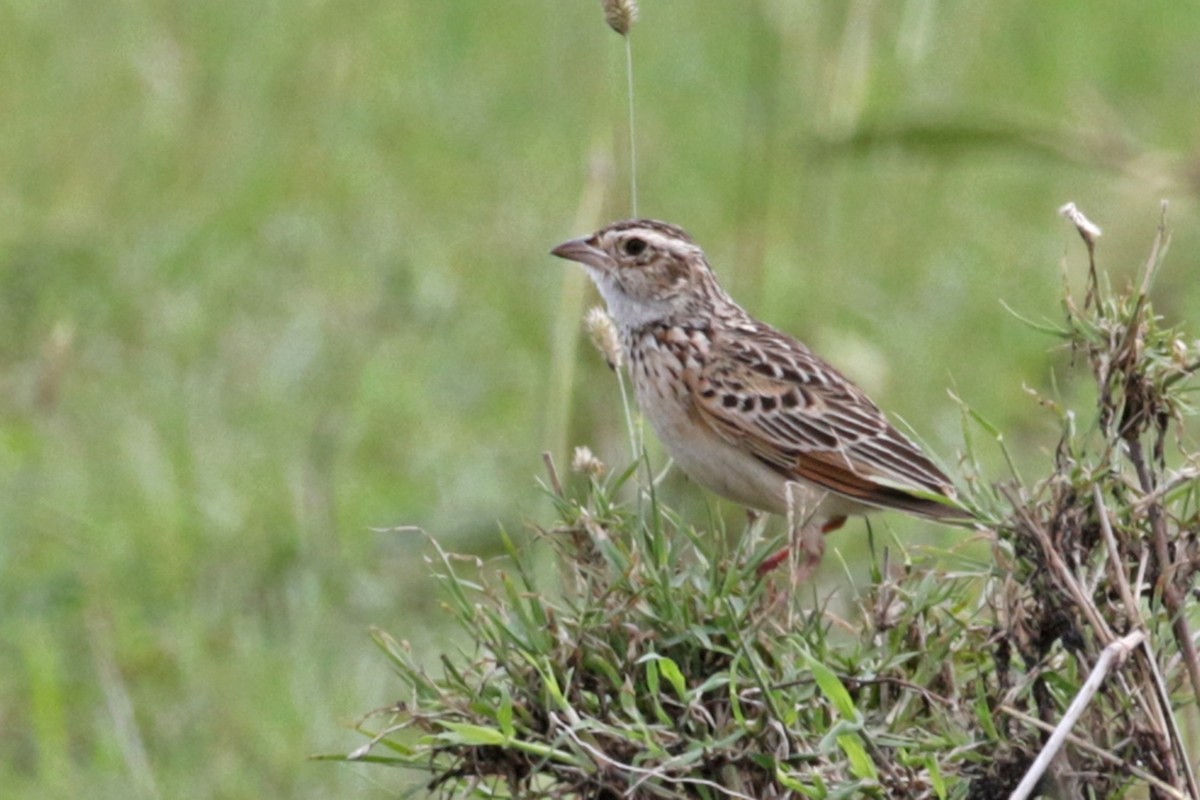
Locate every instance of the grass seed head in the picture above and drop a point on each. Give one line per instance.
(603, 333)
(620, 15)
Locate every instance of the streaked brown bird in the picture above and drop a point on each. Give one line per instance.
(746, 410)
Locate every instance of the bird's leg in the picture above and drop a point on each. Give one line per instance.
(811, 546)
(809, 542)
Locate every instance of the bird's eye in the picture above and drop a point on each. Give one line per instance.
(634, 246)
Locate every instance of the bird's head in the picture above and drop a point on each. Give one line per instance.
(647, 271)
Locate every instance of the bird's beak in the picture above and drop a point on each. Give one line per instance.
(583, 251)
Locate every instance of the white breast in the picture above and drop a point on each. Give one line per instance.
(706, 458)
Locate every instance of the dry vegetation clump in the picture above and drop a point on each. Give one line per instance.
(657, 665)
(1101, 556)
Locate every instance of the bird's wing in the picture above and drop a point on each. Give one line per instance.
(767, 393)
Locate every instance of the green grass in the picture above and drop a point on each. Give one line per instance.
(659, 659)
(273, 275)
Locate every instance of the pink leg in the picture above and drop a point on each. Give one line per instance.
(812, 546)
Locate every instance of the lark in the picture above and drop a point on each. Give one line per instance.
(743, 408)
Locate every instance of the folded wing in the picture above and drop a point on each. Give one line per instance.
(770, 395)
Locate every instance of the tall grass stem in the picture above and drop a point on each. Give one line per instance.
(633, 192)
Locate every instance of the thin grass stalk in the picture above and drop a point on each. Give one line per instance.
(621, 16)
(633, 186)
(566, 322)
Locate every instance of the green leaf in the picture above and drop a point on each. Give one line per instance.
(860, 762)
(655, 692)
(1047, 327)
(504, 712)
(472, 735)
(594, 663)
(672, 673)
(935, 776)
(666, 667)
(851, 791)
(984, 713)
(735, 704)
(832, 687)
(549, 681)
(787, 781)
(652, 674)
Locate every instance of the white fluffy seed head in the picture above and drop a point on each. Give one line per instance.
(584, 462)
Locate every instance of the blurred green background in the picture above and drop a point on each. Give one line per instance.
(274, 275)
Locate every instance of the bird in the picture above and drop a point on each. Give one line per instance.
(746, 410)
